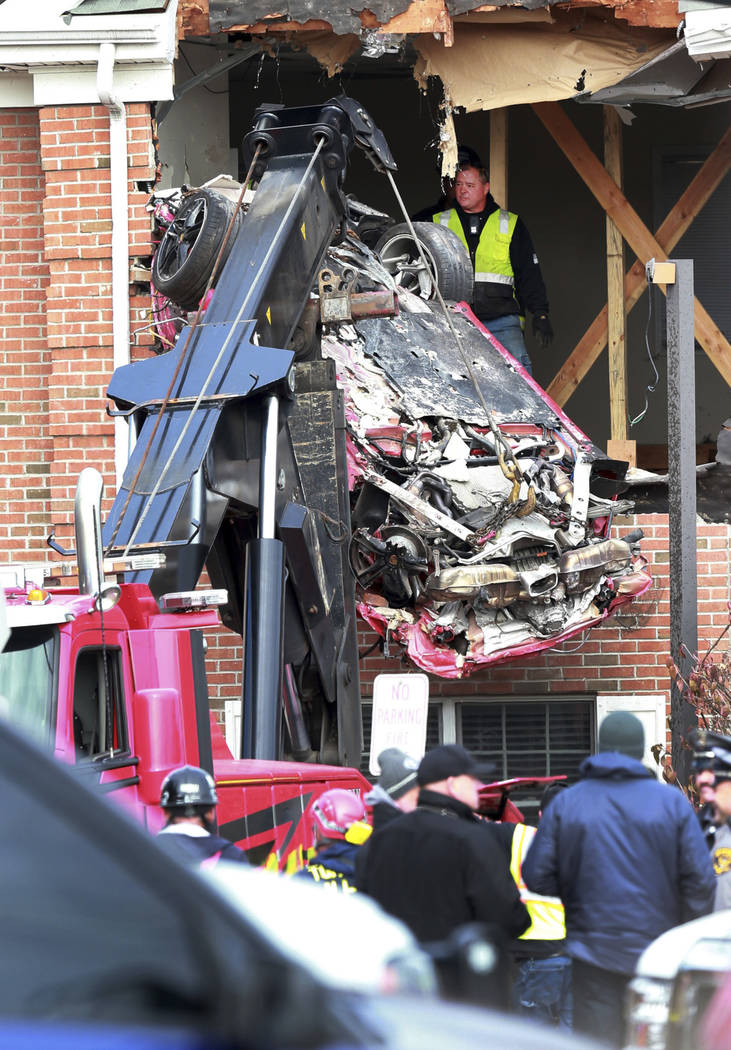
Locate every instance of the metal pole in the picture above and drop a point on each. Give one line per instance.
(682, 501)
(264, 609)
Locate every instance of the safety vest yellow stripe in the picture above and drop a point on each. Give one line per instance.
(492, 258)
(547, 915)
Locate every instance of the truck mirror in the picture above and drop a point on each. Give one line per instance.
(157, 738)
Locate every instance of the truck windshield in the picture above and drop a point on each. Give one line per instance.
(27, 675)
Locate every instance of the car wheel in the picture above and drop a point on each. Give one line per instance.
(184, 260)
(449, 263)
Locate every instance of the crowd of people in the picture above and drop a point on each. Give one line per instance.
(616, 859)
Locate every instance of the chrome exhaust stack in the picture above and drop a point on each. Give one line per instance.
(88, 531)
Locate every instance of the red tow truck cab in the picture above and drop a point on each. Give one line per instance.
(122, 695)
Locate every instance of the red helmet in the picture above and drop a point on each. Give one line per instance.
(334, 812)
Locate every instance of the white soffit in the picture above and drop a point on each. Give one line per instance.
(62, 56)
(708, 33)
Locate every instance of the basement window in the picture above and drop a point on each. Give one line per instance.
(524, 738)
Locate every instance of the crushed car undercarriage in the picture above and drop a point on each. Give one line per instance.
(481, 515)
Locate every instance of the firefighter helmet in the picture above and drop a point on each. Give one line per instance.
(188, 791)
(334, 812)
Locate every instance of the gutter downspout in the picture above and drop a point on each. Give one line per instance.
(120, 235)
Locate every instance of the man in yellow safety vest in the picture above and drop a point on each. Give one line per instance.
(508, 279)
(542, 986)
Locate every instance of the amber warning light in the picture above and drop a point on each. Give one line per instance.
(37, 596)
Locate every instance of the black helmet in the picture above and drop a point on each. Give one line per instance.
(189, 791)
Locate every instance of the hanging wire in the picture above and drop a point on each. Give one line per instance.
(651, 387)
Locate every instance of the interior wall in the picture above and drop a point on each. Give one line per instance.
(194, 134)
(566, 222)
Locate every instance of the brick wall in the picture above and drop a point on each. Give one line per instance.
(56, 332)
(78, 247)
(25, 441)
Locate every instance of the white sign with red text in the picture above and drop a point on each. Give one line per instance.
(400, 707)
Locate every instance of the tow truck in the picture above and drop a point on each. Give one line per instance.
(229, 469)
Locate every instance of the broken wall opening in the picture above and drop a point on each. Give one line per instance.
(566, 222)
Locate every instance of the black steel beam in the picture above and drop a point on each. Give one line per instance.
(682, 502)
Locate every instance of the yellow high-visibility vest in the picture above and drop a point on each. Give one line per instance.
(548, 922)
(492, 258)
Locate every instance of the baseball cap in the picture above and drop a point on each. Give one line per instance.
(451, 760)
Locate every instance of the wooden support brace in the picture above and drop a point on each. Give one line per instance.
(640, 240)
(615, 285)
(499, 156)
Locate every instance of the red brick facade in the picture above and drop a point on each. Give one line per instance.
(56, 359)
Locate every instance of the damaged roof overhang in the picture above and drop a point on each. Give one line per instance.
(616, 52)
(672, 78)
(414, 15)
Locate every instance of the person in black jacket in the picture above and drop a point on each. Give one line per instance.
(627, 857)
(188, 799)
(440, 866)
(395, 792)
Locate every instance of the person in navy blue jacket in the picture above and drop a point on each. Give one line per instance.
(627, 857)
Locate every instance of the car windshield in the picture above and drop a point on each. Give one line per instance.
(27, 675)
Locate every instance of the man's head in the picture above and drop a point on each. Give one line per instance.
(451, 770)
(338, 815)
(398, 778)
(622, 731)
(703, 775)
(722, 786)
(472, 186)
(720, 747)
(465, 156)
(188, 795)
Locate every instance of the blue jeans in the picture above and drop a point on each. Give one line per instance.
(508, 331)
(542, 990)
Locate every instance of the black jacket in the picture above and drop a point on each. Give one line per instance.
(440, 867)
(333, 866)
(201, 849)
(491, 301)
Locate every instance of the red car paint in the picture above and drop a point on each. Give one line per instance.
(167, 721)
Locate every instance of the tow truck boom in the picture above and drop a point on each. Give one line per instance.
(239, 457)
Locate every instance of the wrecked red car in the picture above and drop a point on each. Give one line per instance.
(481, 514)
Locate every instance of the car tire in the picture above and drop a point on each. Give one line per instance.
(189, 247)
(449, 262)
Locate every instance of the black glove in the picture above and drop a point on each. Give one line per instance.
(542, 330)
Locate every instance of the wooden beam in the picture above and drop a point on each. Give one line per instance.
(499, 156)
(689, 204)
(634, 231)
(615, 286)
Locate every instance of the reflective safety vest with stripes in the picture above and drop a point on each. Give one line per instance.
(492, 258)
(547, 915)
